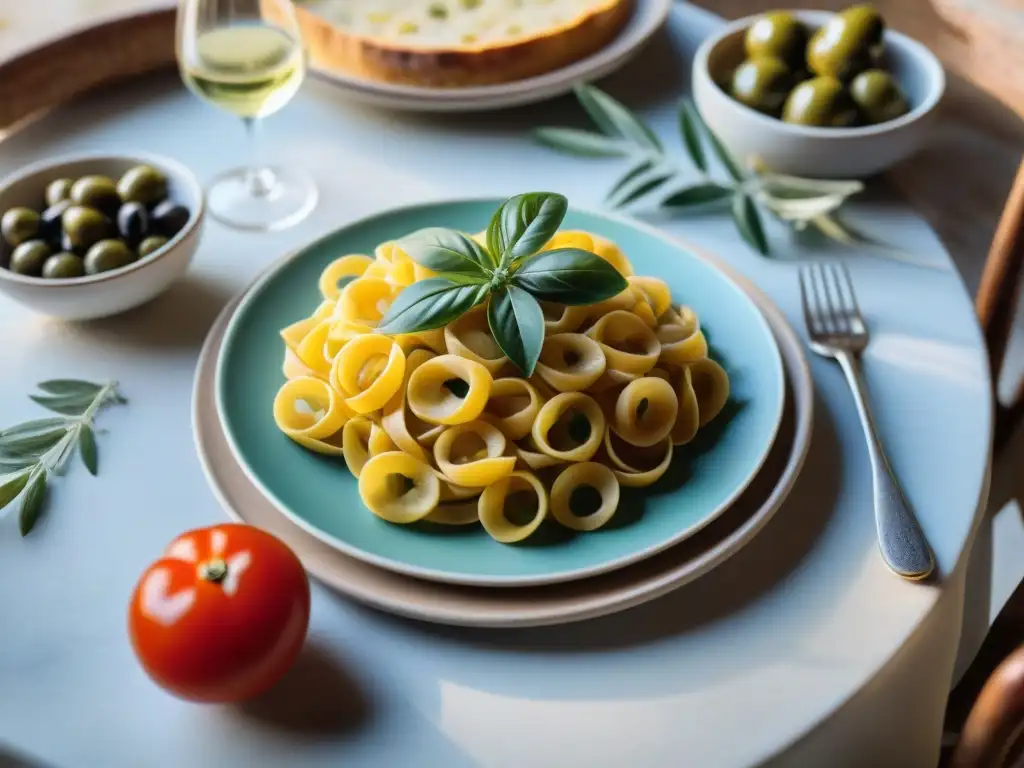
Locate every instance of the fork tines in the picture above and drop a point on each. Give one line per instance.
(829, 303)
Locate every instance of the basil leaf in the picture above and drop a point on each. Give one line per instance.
(70, 387)
(32, 504)
(446, 250)
(582, 143)
(698, 194)
(9, 491)
(429, 304)
(517, 324)
(570, 276)
(87, 446)
(614, 119)
(691, 136)
(522, 224)
(748, 222)
(644, 184)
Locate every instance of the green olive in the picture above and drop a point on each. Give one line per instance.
(58, 190)
(107, 255)
(84, 226)
(98, 192)
(877, 96)
(142, 184)
(28, 258)
(850, 42)
(762, 83)
(62, 266)
(777, 34)
(822, 101)
(19, 224)
(151, 244)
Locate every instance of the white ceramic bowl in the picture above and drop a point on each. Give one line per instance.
(835, 153)
(92, 296)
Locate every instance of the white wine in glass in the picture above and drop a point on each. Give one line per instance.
(246, 57)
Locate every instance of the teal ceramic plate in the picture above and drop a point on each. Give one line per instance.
(320, 494)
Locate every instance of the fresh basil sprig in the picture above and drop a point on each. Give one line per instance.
(799, 203)
(508, 273)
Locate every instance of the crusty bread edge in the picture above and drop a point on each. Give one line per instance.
(385, 60)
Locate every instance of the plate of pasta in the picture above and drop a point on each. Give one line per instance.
(499, 393)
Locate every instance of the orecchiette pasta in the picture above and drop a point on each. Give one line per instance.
(440, 426)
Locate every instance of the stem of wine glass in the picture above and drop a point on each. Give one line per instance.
(260, 179)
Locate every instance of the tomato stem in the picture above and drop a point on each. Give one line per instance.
(213, 570)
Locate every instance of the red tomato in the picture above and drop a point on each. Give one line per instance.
(222, 615)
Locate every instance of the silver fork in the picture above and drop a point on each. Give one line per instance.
(837, 330)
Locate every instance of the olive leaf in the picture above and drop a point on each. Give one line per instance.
(429, 304)
(691, 136)
(570, 276)
(446, 250)
(516, 321)
(31, 443)
(9, 490)
(32, 503)
(87, 447)
(748, 222)
(643, 184)
(643, 166)
(71, 405)
(70, 387)
(735, 171)
(582, 143)
(614, 119)
(697, 194)
(523, 224)
(33, 427)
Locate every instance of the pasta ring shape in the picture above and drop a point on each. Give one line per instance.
(642, 308)
(637, 467)
(455, 513)
(624, 300)
(380, 441)
(432, 340)
(389, 499)
(570, 362)
(329, 417)
(655, 291)
(680, 344)
(311, 349)
(293, 368)
(550, 417)
(354, 264)
(688, 418)
(395, 418)
(296, 332)
(429, 398)
(628, 345)
(369, 370)
(575, 476)
(561, 318)
(645, 411)
(611, 379)
(512, 407)
(451, 492)
(457, 454)
(355, 443)
(710, 387)
(378, 270)
(470, 336)
(491, 507)
(366, 300)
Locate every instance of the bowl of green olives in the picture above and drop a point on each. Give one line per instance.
(94, 235)
(818, 94)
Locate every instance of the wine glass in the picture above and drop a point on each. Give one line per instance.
(246, 57)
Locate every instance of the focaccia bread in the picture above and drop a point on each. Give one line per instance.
(452, 43)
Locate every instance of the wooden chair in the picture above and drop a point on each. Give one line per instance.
(987, 706)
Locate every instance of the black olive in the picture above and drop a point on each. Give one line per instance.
(169, 218)
(133, 223)
(51, 226)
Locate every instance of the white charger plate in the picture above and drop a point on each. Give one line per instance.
(647, 18)
(529, 606)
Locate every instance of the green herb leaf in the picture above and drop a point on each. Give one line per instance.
(691, 135)
(32, 443)
(801, 210)
(643, 185)
(725, 157)
(10, 464)
(748, 222)
(33, 427)
(9, 491)
(342, 282)
(32, 503)
(698, 194)
(570, 276)
(72, 405)
(87, 447)
(581, 143)
(796, 188)
(522, 224)
(429, 304)
(614, 119)
(517, 324)
(446, 250)
(641, 167)
(70, 387)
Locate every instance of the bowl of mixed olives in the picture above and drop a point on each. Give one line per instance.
(94, 235)
(816, 93)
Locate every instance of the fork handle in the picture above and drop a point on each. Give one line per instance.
(900, 538)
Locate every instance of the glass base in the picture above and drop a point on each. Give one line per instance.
(261, 200)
